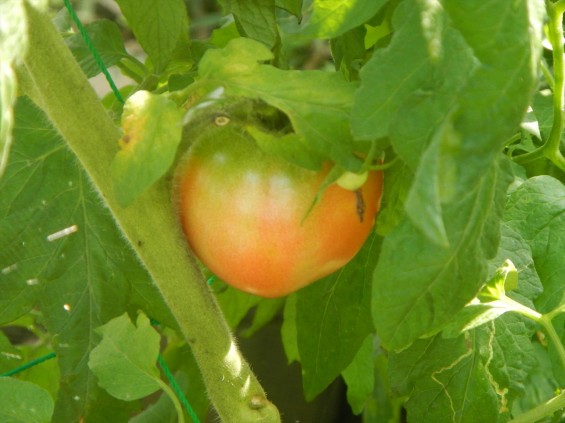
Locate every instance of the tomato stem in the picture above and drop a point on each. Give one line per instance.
(55, 82)
(551, 147)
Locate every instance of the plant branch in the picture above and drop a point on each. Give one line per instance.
(64, 93)
(551, 147)
(555, 34)
(542, 410)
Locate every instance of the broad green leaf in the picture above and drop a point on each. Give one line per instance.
(413, 293)
(359, 376)
(106, 39)
(254, 19)
(24, 402)
(391, 76)
(288, 146)
(474, 377)
(158, 26)
(332, 18)
(316, 102)
(63, 254)
(329, 338)
(536, 210)
(125, 360)
(152, 127)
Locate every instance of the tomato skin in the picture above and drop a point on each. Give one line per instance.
(245, 215)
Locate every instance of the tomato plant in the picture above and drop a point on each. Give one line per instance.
(445, 306)
(251, 217)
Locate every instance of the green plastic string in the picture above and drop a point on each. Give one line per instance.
(177, 389)
(29, 365)
(93, 50)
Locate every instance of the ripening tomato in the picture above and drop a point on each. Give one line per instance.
(246, 215)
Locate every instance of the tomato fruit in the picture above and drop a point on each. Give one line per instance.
(248, 216)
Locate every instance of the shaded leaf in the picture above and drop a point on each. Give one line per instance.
(106, 39)
(359, 376)
(333, 318)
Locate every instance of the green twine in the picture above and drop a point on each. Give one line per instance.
(30, 364)
(177, 389)
(93, 50)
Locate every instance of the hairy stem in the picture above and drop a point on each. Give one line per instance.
(64, 93)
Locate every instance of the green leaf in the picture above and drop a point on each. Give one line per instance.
(329, 339)
(106, 39)
(158, 26)
(152, 132)
(316, 102)
(24, 402)
(391, 75)
(289, 146)
(515, 248)
(413, 293)
(474, 377)
(125, 360)
(255, 19)
(536, 210)
(332, 18)
(359, 376)
(65, 257)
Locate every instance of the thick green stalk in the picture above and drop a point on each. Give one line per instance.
(551, 148)
(150, 225)
(555, 34)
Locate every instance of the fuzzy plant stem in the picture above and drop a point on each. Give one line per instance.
(56, 83)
